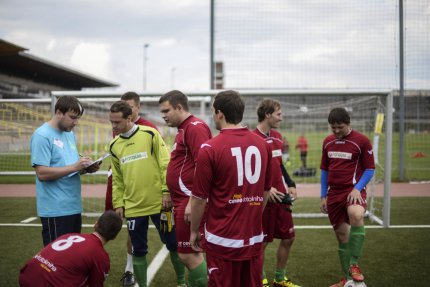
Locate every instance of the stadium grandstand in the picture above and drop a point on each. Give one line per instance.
(23, 75)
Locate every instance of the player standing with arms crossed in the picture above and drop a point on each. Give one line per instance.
(192, 133)
(347, 165)
(233, 179)
(277, 217)
(128, 279)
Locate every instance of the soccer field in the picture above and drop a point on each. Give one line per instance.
(399, 256)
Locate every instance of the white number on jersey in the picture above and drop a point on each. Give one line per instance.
(63, 244)
(244, 167)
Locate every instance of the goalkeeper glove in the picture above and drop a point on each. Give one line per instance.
(166, 221)
(288, 200)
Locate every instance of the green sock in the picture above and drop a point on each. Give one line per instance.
(178, 266)
(344, 258)
(356, 241)
(264, 275)
(279, 275)
(140, 267)
(198, 277)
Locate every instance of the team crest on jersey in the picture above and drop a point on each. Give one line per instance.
(134, 157)
(339, 154)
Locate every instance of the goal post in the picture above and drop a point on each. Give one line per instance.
(304, 111)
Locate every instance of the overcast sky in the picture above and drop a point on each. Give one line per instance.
(105, 38)
(306, 44)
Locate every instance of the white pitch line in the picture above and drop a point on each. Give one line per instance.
(295, 227)
(156, 263)
(39, 225)
(30, 219)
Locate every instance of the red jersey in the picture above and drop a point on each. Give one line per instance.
(141, 121)
(192, 133)
(274, 139)
(302, 144)
(232, 172)
(345, 160)
(71, 260)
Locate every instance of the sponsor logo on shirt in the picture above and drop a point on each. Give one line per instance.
(252, 200)
(276, 153)
(184, 244)
(196, 123)
(339, 142)
(339, 154)
(46, 263)
(370, 151)
(134, 157)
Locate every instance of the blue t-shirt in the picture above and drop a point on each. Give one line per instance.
(54, 148)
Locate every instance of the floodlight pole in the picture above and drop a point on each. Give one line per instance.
(211, 64)
(145, 59)
(401, 95)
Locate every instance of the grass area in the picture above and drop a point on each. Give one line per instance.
(392, 257)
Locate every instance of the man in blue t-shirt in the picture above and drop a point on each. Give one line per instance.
(58, 166)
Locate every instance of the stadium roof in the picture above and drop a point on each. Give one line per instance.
(14, 61)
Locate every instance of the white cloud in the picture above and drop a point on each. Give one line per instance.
(312, 54)
(93, 59)
(51, 45)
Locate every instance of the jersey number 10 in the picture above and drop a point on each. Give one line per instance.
(244, 167)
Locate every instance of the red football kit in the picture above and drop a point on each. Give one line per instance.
(108, 198)
(345, 160)
(277, 220)
(233, 171)
(192, 133)
(72, 260)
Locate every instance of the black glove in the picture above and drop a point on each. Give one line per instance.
(288, 200)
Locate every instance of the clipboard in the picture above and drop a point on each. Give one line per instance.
(99, 160)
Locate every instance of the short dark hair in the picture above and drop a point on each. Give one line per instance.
(131, 96)
(109, 225)
(121, 107)
(175, 97)
(69, 103)
(267, 106)
(231, 104)
(339, 116)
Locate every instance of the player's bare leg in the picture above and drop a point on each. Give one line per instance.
(282, 255)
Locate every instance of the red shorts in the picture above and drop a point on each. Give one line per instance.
(183, 232)
(223, 272)
(337, 207)
(108, 199)
(277, 222)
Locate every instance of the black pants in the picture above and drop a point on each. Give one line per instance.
(54, 227)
